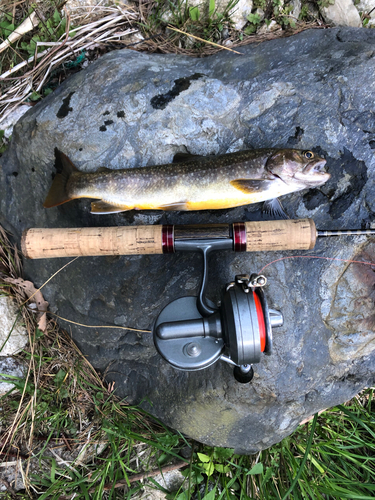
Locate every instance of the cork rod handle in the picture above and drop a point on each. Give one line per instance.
(262, 236)
(91, 241)
(278, 235)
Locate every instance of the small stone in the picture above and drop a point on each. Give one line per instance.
(13, 336)
(189, 42)
(225, 33)
(167, 17)
(9, 121)
(259, 12)
(9, 367)
(273, 26)
(77, 8)
(342, 13)
(171, 480)
(134, 38)
(313, 10)
(296, 4)
(238, 13)
(366, 7)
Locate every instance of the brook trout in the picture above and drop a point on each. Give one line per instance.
(197, 183)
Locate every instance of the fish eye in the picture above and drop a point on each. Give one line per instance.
(308, 154)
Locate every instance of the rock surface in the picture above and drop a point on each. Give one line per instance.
(314, 90)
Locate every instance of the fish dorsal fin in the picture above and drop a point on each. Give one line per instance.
(178, 205)
(57, 195)
(182, 157)
(63, 164)
(274, 207)
(249, 186)
(102, 207)
(102, 170)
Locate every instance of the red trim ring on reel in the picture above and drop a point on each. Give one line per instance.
(261, 322)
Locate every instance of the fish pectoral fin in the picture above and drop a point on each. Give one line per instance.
(249, 186)
(178, 205)
(274, 208)
(102, 207)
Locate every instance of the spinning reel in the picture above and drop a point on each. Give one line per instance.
(191, 333)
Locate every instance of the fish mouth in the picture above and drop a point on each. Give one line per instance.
(313, 174)
(316, 167)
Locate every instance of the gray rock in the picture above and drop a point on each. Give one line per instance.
(314, 90)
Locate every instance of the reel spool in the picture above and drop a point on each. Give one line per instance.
(192, 335)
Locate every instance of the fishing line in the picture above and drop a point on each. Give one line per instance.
(99, 326)
(74, 322)
(49, 279)
(350, 261)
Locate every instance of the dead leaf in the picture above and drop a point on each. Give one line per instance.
(37, 302)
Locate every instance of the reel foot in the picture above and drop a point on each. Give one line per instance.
(243, 374)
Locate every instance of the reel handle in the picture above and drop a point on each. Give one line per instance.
(253, 236)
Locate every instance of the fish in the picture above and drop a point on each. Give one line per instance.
(192, 182)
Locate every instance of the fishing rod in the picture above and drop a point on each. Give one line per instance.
(192, 333)
(253, 236)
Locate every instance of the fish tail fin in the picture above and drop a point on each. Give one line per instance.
(58, 193)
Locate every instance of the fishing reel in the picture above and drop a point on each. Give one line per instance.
(191, 333)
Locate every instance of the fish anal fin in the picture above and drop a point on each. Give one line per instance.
(249, 186)
(103, 207)
(178, 205)
(274, 208)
